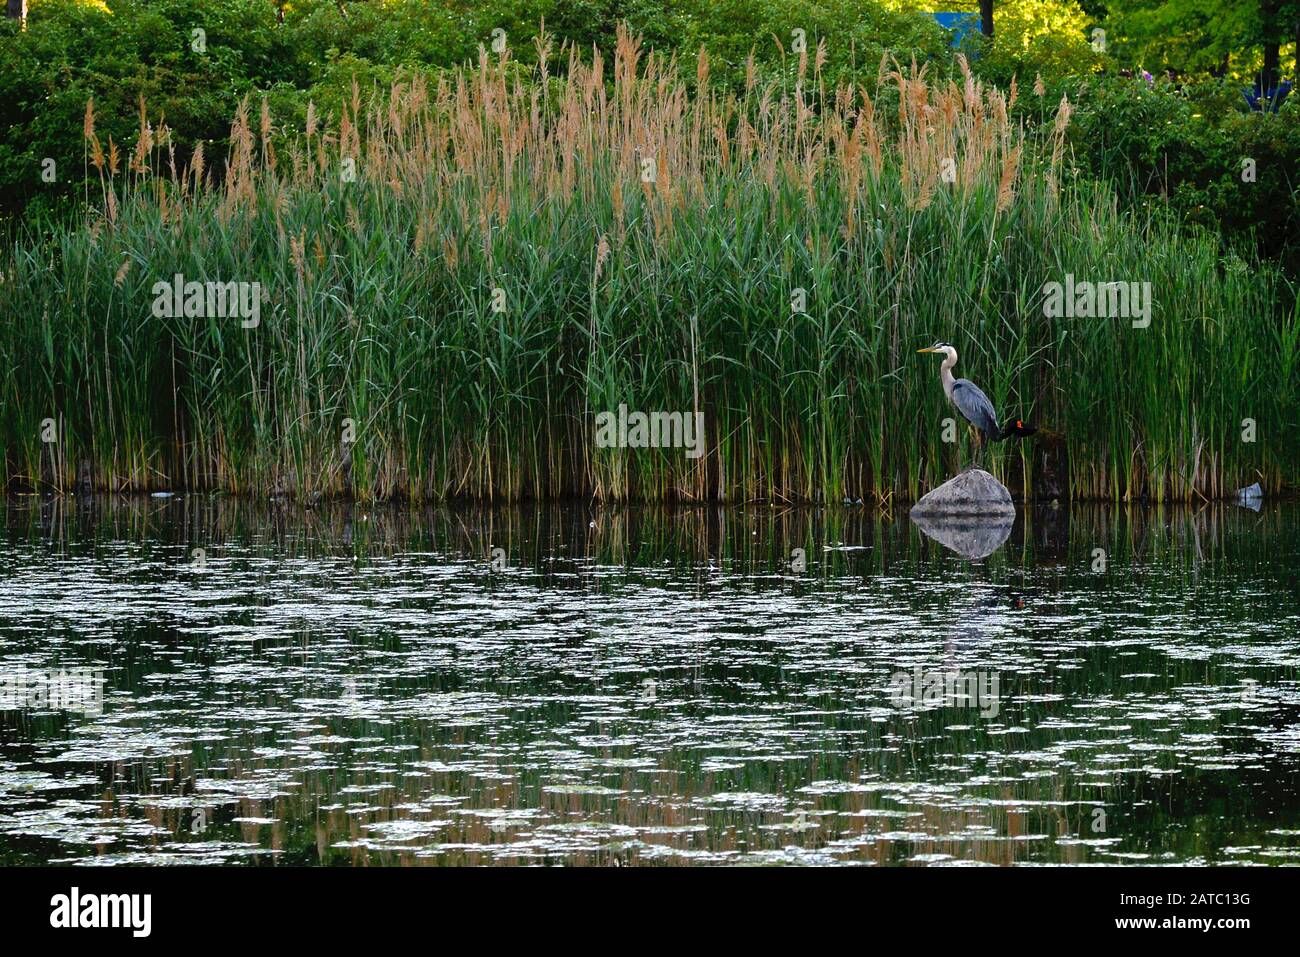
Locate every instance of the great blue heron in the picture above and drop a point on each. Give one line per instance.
(971, 401)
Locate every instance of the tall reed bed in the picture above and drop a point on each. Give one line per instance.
(462, 272)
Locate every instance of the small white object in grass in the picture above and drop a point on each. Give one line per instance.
(1253, 491)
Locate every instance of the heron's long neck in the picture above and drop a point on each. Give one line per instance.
(945, 374)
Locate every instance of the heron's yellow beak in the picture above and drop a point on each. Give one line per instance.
(927, 350)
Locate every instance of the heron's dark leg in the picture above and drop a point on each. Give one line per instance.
(975, 447)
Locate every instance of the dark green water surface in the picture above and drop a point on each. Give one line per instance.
(590, 686)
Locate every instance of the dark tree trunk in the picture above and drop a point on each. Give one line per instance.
(986, 17)
(16, 9)
(1271, 63)
(1272, 34)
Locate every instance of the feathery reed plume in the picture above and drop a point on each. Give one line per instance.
(1006, 182)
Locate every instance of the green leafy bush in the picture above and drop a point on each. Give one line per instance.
(1185, 149)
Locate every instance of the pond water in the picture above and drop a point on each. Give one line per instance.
(195, 680)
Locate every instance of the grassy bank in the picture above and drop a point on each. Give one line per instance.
(516, 254)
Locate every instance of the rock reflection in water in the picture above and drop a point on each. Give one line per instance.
(970, 536)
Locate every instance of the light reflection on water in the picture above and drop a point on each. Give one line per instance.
(637, 687)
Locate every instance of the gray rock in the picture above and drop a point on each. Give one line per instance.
(974, 492)
(971, 514)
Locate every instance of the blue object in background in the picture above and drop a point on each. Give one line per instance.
(1270, 100)
(960, 23)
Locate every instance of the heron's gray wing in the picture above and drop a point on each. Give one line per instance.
(971, 401)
